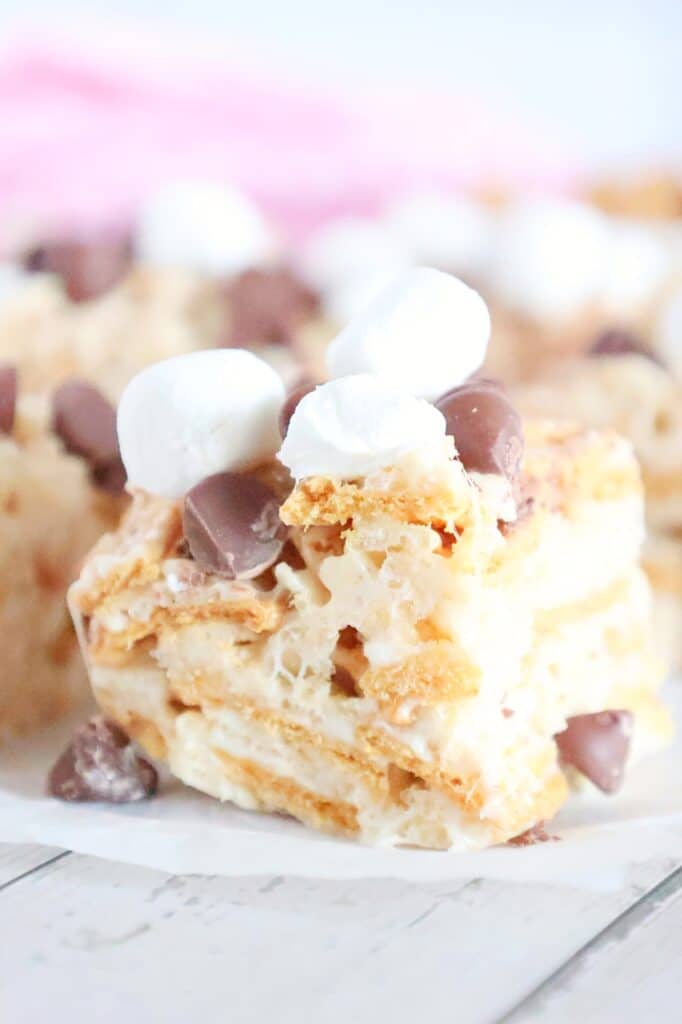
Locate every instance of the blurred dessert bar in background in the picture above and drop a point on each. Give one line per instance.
(61, 486)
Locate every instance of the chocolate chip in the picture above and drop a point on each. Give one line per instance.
(299, 391)
(267, 307)
(86, 422)
(8, 398)
(232, 525)
(535, 834)
(110, 477)
(597, 745)
(100, 763)
(619, 342)
(87, 269)
(485, 425)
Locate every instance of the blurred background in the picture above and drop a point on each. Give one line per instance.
(320, 109)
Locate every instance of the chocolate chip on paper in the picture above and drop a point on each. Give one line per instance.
(597, 746)
(100, 763)
(485, 425)
(8, 398)
(232, 526)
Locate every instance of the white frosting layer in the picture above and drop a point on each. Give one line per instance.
(203, 226)
(448, 231)
(186, 418)
(354, 426)
(550, 257)
(426, 332)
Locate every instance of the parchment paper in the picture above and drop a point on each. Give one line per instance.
(185, 832)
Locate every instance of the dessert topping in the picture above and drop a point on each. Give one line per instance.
(203, 226)
(87, 269)
(425, 331)
(617, 341)
(294, 396)
(189, 417)
(267, 306)
(86, 423)
(100, 763)
(232, 525)
(597, 745)
(8, 398)
(353, 426)
(486, 427)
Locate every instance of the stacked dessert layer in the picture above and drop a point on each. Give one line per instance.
(417, 639)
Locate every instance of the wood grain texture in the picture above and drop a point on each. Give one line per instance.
(170, 948)
(629, 972)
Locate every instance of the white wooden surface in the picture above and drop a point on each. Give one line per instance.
(87, 939)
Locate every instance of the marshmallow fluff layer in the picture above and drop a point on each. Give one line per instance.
(186, 418)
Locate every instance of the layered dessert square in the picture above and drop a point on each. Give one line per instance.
(417, 624)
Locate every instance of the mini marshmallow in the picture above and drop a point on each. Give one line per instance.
(350, 249)
(550, 259)
(667, 339)
(13, 279)
(426, 332)
(637, 267)
(186, 418)
(452, 232)
(351, 427)
(203, 226)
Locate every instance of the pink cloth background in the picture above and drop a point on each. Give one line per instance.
(89, 126)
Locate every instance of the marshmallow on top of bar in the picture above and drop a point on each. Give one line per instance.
(186, 419)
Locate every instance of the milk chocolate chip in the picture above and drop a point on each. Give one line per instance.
(86, 423)
(485, 425)
(619, 342)
(597, 746)
(267, 307)
(299, 391)
(87, 269)
(232, 525)
(100, 763)
(8, 398)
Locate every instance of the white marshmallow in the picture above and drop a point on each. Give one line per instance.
(637, 267)
(452, 232)
(354, 426)
(13, 279)
(203, 226)
(350, 249)
(550, 258)
(186, 418)
(351, 297)
(426, 332)
(667, 339)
